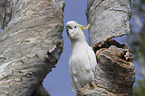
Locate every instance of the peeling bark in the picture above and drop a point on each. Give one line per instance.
(30, 44)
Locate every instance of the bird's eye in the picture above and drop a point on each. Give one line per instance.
(75, 26)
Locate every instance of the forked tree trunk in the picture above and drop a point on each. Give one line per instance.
(115, 70)
(30, 44)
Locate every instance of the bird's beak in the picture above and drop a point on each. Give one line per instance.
(67, 29)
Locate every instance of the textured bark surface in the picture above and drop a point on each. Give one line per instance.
(115, 73)
(40, 91)
(30, 43)
(107, 19)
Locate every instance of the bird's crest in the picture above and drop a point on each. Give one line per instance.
(84, 28)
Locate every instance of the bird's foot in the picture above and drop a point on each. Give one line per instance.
(92, 84)
(79, 93)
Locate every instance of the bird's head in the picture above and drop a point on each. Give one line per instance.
(74, 30)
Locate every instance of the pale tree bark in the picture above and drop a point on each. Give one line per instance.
(115, 70)
(30, 44)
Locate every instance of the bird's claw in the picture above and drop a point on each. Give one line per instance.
(92, 84)
(79, 93)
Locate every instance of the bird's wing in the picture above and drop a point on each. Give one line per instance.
(75, 85)
(92, 58)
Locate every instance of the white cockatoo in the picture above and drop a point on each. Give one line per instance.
(82, 61)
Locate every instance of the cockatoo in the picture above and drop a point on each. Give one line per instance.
(82, 61)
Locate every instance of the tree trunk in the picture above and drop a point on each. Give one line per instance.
(115, 69)
(30, 44)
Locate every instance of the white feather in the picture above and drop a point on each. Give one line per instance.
(82, 61)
